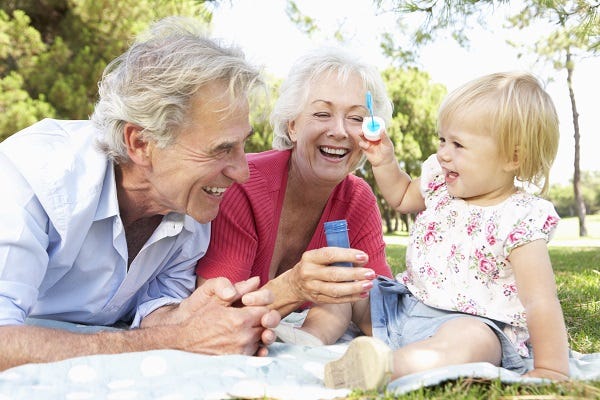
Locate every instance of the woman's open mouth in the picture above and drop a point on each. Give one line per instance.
(333, 151)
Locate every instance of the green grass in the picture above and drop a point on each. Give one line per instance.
(577, 271)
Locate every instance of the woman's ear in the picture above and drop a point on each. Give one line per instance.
(292, 131)
(138, 148)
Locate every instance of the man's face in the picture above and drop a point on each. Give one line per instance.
(191, 175)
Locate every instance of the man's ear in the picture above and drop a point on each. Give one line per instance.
(138, 149)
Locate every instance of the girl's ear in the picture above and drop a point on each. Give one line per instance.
(138, 149)
(513, 165)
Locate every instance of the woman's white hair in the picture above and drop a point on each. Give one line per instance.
(153, 83)
(294, 91)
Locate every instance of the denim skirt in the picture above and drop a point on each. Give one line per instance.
(398, 318)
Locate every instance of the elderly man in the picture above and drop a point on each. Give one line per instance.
(103, 220)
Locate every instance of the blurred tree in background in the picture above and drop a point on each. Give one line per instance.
(575, 34)
(53, 52)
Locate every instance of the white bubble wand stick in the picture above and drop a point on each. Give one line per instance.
(372, 126)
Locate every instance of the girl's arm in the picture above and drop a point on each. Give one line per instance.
(537, 291)
(396, 186)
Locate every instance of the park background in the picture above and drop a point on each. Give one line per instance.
(52, 53)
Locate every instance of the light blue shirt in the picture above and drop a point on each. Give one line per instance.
(63, 254)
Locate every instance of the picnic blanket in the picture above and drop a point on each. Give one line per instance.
(290, 372)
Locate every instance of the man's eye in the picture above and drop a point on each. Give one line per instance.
(223, 151)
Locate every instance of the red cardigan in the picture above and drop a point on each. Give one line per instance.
(244, 232)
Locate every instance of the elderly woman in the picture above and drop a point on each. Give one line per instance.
(272, 225)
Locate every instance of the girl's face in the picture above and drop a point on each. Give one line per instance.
(472, 164)
(327, 130)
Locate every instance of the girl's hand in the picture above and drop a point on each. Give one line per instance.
(380, 152)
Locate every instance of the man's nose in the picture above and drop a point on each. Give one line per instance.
(238, 168)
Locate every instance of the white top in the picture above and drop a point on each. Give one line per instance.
(457, 258)
(63, 253)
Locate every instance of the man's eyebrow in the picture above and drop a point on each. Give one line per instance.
(228, 145)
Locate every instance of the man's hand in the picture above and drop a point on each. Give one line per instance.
(210, 325)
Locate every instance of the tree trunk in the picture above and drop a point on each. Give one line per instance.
(387, 217)
(579, 203)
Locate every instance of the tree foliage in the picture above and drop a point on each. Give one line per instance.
(261, 108)
(53, 52)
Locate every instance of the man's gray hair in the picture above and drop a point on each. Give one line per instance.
(153, 83)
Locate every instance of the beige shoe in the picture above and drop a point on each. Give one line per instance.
(367, 364)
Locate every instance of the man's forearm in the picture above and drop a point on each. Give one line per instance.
(31, 344)
(164, 315)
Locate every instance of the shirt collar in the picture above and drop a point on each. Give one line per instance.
(108, 204)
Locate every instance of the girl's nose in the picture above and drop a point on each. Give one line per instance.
(443, 153)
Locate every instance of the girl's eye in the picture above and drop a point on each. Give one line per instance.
(442, 140)
(458, 145)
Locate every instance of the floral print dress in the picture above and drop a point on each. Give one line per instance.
(458, 256)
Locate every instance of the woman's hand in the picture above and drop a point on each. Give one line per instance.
(314, 280)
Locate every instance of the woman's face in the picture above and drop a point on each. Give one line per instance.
(326, 132)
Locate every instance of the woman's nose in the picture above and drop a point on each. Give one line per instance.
(337, 128)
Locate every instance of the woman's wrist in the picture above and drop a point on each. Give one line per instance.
(287, 295)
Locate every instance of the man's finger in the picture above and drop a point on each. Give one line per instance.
(220, 288)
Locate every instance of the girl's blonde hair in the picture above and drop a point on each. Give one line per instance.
(515, 109)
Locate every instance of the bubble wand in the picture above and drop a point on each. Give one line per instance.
(370, 107)
(372, 126)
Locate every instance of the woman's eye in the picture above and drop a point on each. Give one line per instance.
(321, 115)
